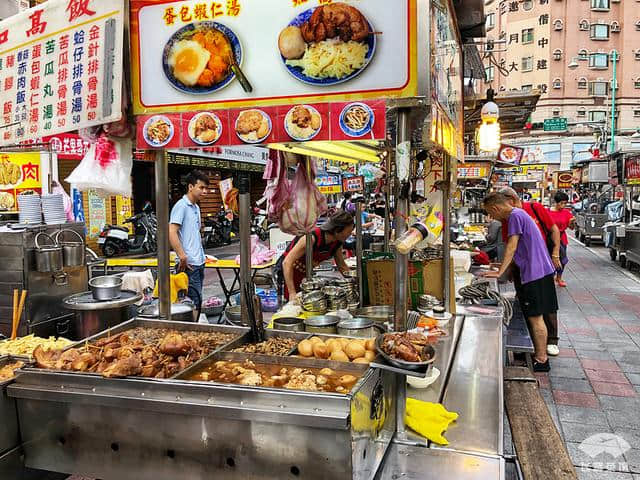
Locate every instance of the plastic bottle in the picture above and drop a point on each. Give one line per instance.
(409, 239)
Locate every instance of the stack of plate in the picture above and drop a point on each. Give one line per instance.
(29, 209)
(53, 209)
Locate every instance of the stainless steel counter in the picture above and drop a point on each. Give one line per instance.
(417, 463)
(632, 244)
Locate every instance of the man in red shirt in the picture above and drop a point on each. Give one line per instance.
(551, 234)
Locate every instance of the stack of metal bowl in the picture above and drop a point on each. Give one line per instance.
(350, 286)
(312, 285)
(427, 302)
(336, 298)
(315, 302)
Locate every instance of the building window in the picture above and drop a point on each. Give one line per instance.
(637, 54)
(527, 35)
(598, 89)
(488, 73)
(598, 60)
(526, 88)
(557, 83)
(614, 85)
(527, 5)
(582, 82)
(583, 54)
(599, 4)
(557, 24)
(599, 32)
(557, 54)
(581, 113)
(636, 83)
(615, 27)
(556, 112)
(638, 25)
(490, 21)
(583, 25)
(527, 64)
(597, 116)
(636, 113)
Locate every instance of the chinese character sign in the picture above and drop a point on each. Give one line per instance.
(60, 68)
(18, 172)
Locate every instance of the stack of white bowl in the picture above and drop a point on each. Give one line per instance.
(29, 209)
(53, 209)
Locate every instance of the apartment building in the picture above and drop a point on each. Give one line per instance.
(566, 49)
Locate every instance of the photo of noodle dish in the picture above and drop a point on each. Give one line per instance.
(328, 44)
(158, 131)
(302, 122)
(205, 128)
(197, 58)
(253, 126)
(356, 119)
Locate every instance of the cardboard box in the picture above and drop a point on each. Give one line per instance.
(424, 278)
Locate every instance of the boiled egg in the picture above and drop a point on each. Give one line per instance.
(188, 59)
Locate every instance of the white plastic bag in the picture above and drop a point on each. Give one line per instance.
(105, 168)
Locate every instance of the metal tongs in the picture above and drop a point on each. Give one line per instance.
(254, 312)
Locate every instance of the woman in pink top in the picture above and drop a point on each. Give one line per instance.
(564, 219)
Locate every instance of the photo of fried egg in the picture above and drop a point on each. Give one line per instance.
(188, 59)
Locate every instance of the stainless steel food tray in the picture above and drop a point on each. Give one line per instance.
(403, 365)
(9, 435)
(151, 323)
(269, 333)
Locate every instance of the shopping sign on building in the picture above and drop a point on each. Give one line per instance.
(60, 68)
(329, 184)
(632, 170)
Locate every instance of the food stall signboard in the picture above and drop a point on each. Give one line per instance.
(188, 55)
(353, 184)
(60, 68)
(471, 170)
(97, 213)
(510, 154)
(632, 170)
(18, 172)
(564, 179)
(329, 184)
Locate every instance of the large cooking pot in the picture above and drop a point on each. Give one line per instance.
(180, 312)
(73, 251)
(48, 257)
(106, 287)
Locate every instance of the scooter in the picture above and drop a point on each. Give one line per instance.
(115, 239)
(217, 230)
(259, 225)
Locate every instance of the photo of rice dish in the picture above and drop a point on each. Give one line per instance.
(253, 126)
(327, 45)
(303, 122)
(158, 131)
(205, 128)
(198, 58)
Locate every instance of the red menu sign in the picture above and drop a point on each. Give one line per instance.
(353, 184)
(632, 170)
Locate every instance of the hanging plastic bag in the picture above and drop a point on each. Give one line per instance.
(260, 253)
(278, 190)
(66, 199)
(105, 168)
(307, 203)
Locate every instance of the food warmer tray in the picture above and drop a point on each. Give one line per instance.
(268, 333)
(85, 301)
(151, 323)
(202, 430)
(9, 435)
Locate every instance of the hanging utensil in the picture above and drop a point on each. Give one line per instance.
(259, 320)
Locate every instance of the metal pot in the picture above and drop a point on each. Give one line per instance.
(292, 324)
(357, 327)
(73, 252)
(106, 287)
(321, 324)
(234, 316)
(377, 313)
(49, 257)
(180, 312)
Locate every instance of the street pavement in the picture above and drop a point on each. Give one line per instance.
(593, 388)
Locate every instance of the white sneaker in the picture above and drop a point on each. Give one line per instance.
(553, 350)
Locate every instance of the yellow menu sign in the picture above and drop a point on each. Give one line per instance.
(18, 172)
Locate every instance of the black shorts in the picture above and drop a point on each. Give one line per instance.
(537, 297)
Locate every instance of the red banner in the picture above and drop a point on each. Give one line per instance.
(68, 146)
(632, 170)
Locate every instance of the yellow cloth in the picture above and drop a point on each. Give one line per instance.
(430, 420)
(179, 282)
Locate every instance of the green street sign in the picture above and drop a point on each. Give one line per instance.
(555, 124)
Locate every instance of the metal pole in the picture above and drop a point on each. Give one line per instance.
(401, 269)
(387, 205)
(244, 205)
(162, 210)
(308, 251)
(359, 250)
(446, 232)
(614, 60)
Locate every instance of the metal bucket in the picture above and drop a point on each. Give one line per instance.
(49, 257)
(291, 324)
(73, 252)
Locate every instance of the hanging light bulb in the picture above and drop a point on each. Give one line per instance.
(488, 135)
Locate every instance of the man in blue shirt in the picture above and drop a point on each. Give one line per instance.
(184, 234)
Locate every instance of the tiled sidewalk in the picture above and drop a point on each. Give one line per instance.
(594, 384)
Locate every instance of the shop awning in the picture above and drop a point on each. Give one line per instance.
(365, 151)
(515, 109)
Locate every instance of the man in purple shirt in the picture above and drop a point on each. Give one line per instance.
(527, 249)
